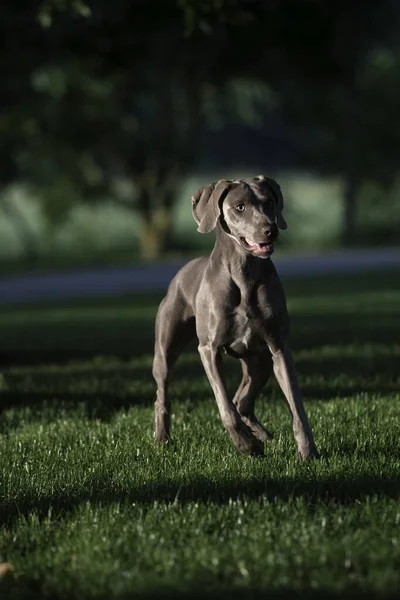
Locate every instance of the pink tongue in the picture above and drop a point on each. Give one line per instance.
(258, 247)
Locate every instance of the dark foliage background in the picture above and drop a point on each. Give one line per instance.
(122, 108)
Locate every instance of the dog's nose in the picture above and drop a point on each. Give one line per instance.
(270, 231)
(267, 232)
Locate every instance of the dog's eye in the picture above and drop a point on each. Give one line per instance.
(240, 207)
(269, 203)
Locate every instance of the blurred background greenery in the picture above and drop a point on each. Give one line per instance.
(114, 113)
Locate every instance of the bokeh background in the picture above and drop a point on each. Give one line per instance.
(114, 113)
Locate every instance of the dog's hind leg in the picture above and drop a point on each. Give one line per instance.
(256, 372)
(172, 335)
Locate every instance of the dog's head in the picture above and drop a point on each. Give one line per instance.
(249, 210)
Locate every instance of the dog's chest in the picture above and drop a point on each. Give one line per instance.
(247, 336)
(248, 321)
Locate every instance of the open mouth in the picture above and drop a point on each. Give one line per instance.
(257, 248)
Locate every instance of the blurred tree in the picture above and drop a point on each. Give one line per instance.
(123, 96)
(335, 68)
(130, 104)
(26, 235)
(97, 93)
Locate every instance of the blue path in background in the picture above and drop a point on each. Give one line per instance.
(113, 281)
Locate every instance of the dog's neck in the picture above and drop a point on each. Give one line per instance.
(242, 266)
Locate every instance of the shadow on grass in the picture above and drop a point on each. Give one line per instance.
(33, 342)
(106, 389)
(77, 341)
(340, 489)
(24, 589)
(97, 406)
(44, 342)
(259, 593)
(343, 330)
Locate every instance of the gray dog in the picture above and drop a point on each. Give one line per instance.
(233, 301)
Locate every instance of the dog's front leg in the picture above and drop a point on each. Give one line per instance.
(285, 372)
(241, 435)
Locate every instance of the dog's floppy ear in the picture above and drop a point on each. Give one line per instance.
(206, 205)
(277, 192)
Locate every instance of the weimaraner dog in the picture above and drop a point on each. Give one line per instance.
(234, 302)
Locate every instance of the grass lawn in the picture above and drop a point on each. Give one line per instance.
(91, 508)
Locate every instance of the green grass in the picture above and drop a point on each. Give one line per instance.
(91, 508)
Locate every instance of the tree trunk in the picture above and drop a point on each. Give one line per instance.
(154, 233)
(26, 235)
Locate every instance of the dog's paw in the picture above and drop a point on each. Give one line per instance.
(245, 441)
(309, 453)
(257, 429)
(161, 437)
